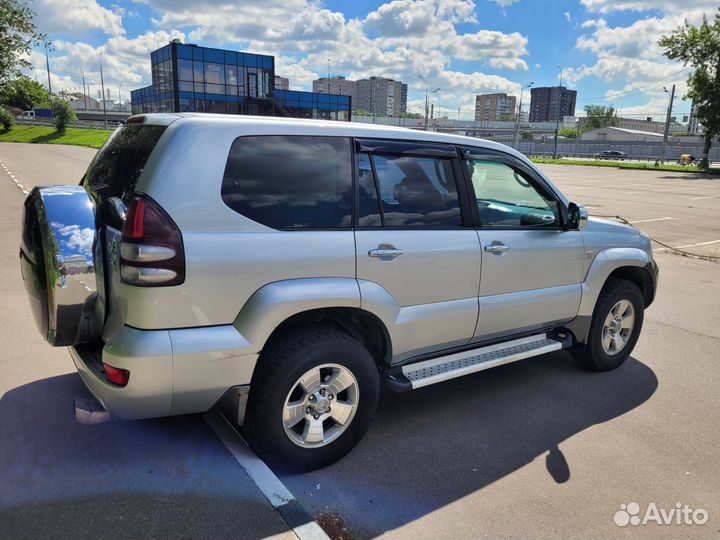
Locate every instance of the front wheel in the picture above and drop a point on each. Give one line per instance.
(312, 398)
(615, 327)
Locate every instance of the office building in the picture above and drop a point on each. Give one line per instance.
(494, 107)
(550, 103)
(189, 78)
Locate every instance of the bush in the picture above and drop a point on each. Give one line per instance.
(6, 119)
(64, 114)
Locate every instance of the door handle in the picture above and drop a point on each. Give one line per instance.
(385, 253)
(497, 248)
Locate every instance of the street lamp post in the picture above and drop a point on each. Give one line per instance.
(519, 114)
(666, 131)
(559, 113)
(426, 100)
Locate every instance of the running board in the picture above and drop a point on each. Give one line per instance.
(435, 370)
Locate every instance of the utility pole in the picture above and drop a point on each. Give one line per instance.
(667, 124)
(519, 114)
(47, 64)
(559, 114)
(102, 84)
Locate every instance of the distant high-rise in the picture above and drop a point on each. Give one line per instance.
(339, 86)
(376, 95)
(492, 107)
(282, 83)
(550, 103)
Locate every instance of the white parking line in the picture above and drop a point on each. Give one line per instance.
(297, 518)
(653, 219)
(691, 245)
(706, 197)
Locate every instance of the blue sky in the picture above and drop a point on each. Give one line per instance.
(607, 48)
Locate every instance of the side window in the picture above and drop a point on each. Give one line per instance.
(505, 198)
(290, 182)
(413, 192)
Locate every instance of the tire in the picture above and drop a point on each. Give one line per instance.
(321, 357)
(615, 296)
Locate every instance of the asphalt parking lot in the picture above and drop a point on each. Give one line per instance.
(533, 449)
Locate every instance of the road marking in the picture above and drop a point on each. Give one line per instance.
(14, 179)
(691, 245)
(706, 197)
(654, 219)
(294, 514)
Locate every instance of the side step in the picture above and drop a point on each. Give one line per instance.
(417, 375)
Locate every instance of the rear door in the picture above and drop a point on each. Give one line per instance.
(532, 267)
(415, 241)
(113, 174)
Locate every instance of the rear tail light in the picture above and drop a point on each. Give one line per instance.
(116, 375)
(151, 251)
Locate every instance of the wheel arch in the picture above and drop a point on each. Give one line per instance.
(631, 264)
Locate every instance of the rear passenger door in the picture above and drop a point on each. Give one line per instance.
(418, 257)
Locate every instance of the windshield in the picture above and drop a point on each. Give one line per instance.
(118, 165)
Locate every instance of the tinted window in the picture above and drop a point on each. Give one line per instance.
(415, 192)
(506, 198)
(117, 166)
(368, 206)
(290, 181)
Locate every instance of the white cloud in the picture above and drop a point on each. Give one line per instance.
(667, 6)
(505, 3)
(568, 16)
(76, 17)
(508, 63)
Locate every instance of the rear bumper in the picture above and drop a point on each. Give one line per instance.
(171, 371)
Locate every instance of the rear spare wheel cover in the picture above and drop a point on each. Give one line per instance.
(65, 218)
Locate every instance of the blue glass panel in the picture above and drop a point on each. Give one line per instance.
(214, 55)
(197, 53)
(231, 57)
(324, 99)
(186, 95)
(184, 52)
(306, 96)
(232, 99)
(267, 62)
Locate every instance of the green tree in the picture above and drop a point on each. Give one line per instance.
(360, 112)
(63, 113)
(526, 136)
(17, 36)
(23, 93)
(699, 47)
(409, 115)
(568, 133)
(598, 116)
(6, 119)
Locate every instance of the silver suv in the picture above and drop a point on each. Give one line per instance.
(283, 268)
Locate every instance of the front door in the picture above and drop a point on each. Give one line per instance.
(532, 267)
(418, 261)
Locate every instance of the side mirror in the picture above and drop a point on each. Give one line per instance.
(577, 217)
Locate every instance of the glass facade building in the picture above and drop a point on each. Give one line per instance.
(188, 78)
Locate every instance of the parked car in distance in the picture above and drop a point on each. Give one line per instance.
(611, 154)
(26, 115)
(283, 268)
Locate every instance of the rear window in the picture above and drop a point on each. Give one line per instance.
(117, 166)
(291, 182)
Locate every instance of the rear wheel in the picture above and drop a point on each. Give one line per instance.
(312, 399)
(615, 327)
